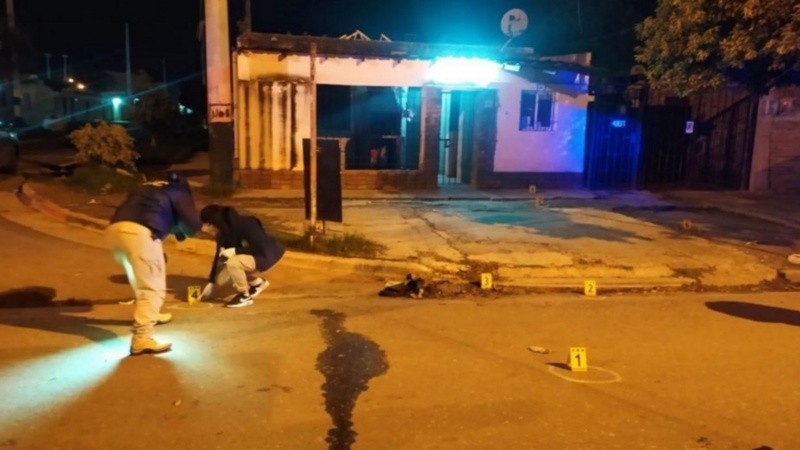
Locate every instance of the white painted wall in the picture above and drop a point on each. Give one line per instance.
(560, 150)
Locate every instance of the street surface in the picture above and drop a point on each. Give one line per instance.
(320, 361)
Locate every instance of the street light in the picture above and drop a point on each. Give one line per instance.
(116, 102)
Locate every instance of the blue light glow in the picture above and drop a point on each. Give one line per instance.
(460, 71)
(31, 388)
(116, 101)
(618, 123)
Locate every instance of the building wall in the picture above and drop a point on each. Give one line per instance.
(559, 150)
(776, 154)
(273, 112)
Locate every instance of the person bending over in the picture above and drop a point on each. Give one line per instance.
(149, 214)
(244, 250)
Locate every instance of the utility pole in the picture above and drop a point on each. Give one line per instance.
(248, 16)
(66, 73)
(128, 82)
(218, 87)
(14, 58)
(164, 72)
(312, 150)
(47, 64)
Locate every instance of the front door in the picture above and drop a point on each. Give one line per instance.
(456, 131)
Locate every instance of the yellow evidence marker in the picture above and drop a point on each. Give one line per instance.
(590, 288)
(577, 359)
(193, 294)
(486, 281)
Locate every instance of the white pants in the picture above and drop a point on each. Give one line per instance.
(142, 257)
(239, 269)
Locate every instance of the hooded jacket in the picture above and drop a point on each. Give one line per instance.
(246, 234)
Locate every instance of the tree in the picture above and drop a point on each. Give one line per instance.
(689, 45)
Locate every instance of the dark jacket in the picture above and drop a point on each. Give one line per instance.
(247, 236)
(163, 207)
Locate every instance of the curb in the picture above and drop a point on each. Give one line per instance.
(29, 197)
(534, 279)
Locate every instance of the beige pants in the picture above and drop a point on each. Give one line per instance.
(240, 270)
(142, 257)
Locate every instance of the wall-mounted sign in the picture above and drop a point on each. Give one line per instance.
(220, 113)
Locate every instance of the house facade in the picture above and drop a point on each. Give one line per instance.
(408, 115)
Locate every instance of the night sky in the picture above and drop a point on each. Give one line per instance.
(91, 32)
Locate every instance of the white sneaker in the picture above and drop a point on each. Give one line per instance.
(147, 344)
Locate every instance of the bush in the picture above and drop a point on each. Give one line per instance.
(106, 145)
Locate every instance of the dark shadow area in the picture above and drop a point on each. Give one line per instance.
(177, 285)
(562, 366)
(30, 297)
(54, 316)
(710, 222)
(348, 363)
(755, 312)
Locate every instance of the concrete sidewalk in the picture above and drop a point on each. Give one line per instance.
(705, 240)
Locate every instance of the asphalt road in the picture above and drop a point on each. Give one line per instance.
(321, 362)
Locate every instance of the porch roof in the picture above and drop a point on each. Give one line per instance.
(287, 44)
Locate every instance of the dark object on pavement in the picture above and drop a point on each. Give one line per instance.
(411, 287)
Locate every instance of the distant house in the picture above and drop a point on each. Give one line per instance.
(54, 103)
(409, 115)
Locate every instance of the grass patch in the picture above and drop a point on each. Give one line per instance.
(352, 245)
(98, 179)
(349, 244)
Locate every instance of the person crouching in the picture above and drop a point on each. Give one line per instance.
(244, 250)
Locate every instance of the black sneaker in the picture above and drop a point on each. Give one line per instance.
(257, 289)
(239, 301)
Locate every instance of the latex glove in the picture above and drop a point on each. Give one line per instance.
(227, 252)
(207, 290)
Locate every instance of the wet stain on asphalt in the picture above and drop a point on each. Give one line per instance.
(348, 363)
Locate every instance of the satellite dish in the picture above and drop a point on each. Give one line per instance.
(514, 22)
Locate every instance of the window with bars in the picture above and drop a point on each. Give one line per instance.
(537, 110)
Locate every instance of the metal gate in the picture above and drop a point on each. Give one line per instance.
(721, 150)
(658, 142)
(665, 146)
(612, 150)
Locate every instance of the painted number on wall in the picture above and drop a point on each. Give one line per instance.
(220, 113)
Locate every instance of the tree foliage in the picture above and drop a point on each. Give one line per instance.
(157, 112)
(105, 145)
(689, 45)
